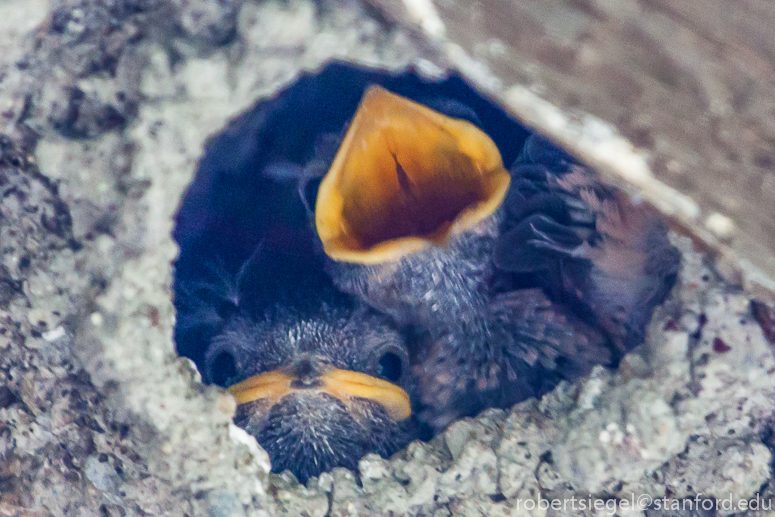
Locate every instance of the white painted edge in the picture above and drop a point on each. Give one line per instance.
(424, 14)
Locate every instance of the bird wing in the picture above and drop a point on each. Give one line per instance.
(539, 343)
(591, 247)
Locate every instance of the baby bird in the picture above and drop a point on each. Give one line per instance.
(320, 380)
(509, 281)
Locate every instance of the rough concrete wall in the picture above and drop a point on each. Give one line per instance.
(689, 86)
(106, 106)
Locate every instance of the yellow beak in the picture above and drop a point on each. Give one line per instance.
(342, 384)
(405, 177)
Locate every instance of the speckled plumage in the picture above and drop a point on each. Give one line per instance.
(565, 275)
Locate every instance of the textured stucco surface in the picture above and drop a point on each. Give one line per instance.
(106, 109)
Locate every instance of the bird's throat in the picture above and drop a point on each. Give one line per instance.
(405, 177)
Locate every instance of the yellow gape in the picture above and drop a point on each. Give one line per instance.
(405, 177)
(342, 384)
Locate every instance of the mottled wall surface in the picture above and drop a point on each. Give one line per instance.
(106, 105)
(690, 85)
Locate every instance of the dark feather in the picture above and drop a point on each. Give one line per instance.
(604, 256)
(530, 345)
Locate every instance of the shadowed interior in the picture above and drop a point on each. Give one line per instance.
(404, 177)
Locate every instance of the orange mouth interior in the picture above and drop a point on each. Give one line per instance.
(342, 384)
(405, 177)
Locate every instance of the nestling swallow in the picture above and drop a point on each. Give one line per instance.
(421, 221)
(320, 380)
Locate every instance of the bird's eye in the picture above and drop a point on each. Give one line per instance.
(390, 366)
(223, 369)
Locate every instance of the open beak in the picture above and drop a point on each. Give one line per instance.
(405, 177)
(342, 384)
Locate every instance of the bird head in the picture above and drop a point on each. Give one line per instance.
(319, 380)
(405, 178)
(318, 392)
